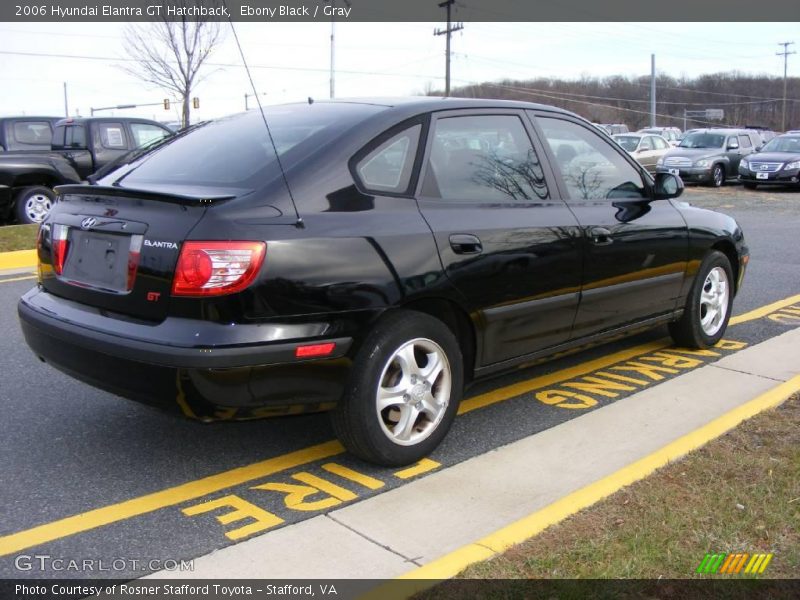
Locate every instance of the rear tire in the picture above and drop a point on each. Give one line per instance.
(404, 390)
(708, 307)
(33, 204)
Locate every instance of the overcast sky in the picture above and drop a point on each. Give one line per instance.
(291, 61)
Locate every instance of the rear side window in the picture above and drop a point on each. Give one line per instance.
(76, 136)
(388, 167)
(33, 132)
(744, 141)
(486, 158)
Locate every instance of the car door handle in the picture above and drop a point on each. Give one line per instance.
(601, 236)
(465, 243)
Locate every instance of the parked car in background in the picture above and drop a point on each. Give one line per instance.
(764, 133)
(26, 133)
(78, 147)
(449, 239)
(613, 128)
(709, 156)
(646, 149)
(778, 163)
(671, 134)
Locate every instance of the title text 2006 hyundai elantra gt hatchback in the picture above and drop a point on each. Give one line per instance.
(375, 259)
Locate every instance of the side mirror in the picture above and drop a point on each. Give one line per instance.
(668, 186)
(733, 146)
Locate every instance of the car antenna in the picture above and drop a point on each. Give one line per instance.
(299, 222)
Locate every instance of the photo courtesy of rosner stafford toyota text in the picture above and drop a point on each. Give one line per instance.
(371, 299)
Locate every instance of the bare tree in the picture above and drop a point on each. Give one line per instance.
(169, 54)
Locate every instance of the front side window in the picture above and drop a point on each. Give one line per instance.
(591, 168)
(388, 167)
(112, 136)
(144, 133)
(486, 158)
(660, 143)
(733, 143)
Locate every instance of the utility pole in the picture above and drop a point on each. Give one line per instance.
(333, 45)
(785, 55)
(652, 90)
(448, 32)
(66, 106)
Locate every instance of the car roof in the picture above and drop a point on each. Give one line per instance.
(101, 119)
(431, 103)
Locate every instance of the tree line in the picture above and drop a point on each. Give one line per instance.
(754, 100)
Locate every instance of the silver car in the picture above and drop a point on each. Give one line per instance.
(645, 148)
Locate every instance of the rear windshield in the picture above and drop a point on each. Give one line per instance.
(35, 133)
(703, 140)
(235, 151)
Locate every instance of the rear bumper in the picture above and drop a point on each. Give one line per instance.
(249, 370)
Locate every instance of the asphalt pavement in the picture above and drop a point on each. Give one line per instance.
(88, 476)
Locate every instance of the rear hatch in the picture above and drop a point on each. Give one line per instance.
(116, 249)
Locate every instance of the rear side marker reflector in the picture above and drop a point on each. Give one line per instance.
(217, 268)
(314, 350)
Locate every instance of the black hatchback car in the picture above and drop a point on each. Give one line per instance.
(369, 257)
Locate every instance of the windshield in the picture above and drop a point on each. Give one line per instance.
(703, 139)
(628, 142)
(236, 152)
(783, 144)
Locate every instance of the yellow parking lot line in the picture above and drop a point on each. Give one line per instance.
(197, 489)
(23, 278)
(456, 561)
(763, 311)
(169, 497)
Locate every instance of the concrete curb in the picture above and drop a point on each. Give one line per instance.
(437, 525)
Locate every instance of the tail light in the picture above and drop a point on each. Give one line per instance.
(133, 258)
(60, 247)
(217, 268)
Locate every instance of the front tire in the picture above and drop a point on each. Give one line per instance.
(708, 307)
(403, 395)
(717, 176)
(33, 204)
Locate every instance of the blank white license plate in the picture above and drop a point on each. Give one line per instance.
(762, 175)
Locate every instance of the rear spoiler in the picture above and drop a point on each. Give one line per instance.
(125, 192)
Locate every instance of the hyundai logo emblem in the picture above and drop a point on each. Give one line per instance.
(88, 223)
(764, 167)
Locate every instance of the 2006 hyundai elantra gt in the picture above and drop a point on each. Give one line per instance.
(369, 257)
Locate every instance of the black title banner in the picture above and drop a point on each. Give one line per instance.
(260, 11)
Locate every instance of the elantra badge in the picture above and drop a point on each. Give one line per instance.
(160, 244)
